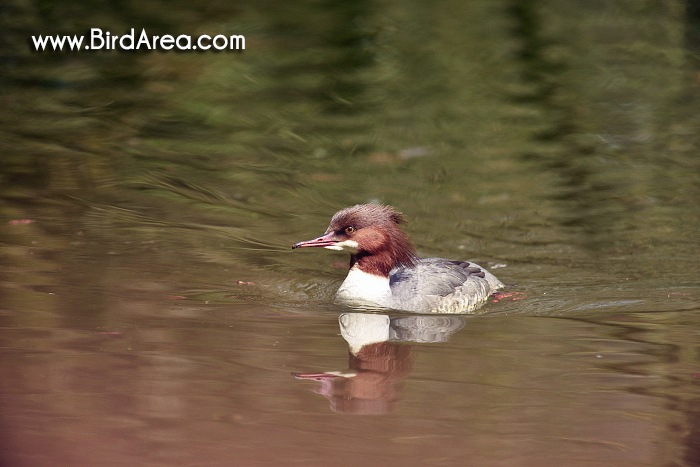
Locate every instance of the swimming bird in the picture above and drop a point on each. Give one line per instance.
(386, 273)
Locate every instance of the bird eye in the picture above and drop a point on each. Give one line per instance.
(350, 229)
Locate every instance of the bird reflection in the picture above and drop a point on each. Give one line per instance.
(378, 359)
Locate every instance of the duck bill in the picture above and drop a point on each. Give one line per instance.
(324, 241)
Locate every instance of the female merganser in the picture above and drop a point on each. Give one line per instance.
(386, 273)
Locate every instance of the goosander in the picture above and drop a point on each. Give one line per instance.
(385, 272)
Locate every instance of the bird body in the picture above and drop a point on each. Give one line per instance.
(385, 272)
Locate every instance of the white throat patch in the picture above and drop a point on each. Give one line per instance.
(340, 246)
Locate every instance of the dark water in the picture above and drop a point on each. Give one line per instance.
(152, 313)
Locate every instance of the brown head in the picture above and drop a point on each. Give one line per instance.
(372, 233)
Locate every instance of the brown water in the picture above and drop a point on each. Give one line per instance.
(152, 313)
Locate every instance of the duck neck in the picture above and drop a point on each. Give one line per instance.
(379, 264)
(380, 261)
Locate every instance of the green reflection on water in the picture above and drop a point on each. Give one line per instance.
(527, 126)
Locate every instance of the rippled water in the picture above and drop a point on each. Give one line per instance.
(152, 312)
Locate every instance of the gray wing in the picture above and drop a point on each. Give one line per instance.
(461, 286)
(421, 279)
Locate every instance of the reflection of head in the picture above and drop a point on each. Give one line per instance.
(382, 357)
(373, 388)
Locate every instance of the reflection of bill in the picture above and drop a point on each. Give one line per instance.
(377, 362)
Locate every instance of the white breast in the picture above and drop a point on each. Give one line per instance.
(360, 287)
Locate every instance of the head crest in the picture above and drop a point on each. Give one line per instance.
(363, 215)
